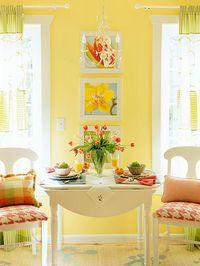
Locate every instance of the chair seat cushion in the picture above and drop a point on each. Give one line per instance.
(20, 214)
(180, 211)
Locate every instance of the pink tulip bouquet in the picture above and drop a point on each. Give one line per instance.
(97, 144)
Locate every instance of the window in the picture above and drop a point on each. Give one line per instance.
(25, 90)
(176, 92)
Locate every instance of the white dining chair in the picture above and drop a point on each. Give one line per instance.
(24, 216)
(178, 213)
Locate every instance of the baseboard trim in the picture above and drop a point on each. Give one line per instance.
(104, 238)
(100, 238)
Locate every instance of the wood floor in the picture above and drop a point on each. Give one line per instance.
(101, 255)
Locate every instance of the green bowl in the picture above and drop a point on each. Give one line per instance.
(136, 170)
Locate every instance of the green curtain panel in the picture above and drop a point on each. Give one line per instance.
(12, 237)
(189, 20)
(21, 110)
(4, 107)
(11, 19)
(194, 110)
(192, 234)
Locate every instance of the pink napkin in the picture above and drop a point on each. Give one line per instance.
(147, 180)
(49, 169)
(144, 180)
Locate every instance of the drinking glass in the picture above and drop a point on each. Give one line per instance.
(78, 166)
(115, 160)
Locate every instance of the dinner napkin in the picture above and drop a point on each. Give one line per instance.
(144, 180)
(147, 180)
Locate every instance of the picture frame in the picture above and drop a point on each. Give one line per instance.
(108, 107)
(91, 129)
(90, 61)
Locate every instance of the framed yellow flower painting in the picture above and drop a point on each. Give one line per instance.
(100, 99)
(100, 55)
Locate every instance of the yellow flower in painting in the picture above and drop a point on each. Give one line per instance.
(98, 97)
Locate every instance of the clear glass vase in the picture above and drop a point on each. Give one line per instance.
(98, 158)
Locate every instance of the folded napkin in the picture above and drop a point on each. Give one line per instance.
(143, 180)
(147, 180)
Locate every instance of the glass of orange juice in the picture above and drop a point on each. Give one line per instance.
(78, 166)
(115, 160)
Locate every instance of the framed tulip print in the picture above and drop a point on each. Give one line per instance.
(100, 99)
(100, 54)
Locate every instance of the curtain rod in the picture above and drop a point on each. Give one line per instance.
(138, 6)
(47, 6)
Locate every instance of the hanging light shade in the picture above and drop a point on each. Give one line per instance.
(102, 50)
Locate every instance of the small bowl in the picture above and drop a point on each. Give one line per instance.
(136, 170)
(62, 171)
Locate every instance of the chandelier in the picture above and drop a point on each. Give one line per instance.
(105, 48)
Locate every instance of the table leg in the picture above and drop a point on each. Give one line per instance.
(139, 227)
(147, 254)
(59, 227)
(54, 233)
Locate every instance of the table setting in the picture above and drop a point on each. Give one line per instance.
(97, 161)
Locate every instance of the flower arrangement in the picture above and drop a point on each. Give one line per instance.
(98, 144)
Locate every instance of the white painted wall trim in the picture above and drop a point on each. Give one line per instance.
(162, 19)
(105, 238)
(157, 22)
(44, 22)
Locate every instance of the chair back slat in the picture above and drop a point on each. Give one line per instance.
(190, 153)
(10, 155)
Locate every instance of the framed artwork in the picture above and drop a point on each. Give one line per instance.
(90, 131)
(100, 99)
(91, 57)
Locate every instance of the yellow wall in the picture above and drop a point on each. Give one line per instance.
(136, 32)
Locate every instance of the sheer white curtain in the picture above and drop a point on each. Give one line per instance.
(180, 90)
(15, 85)
(184, 99)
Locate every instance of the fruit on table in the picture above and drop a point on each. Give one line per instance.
(119, 171)
(136, 165)
(136, 168)
(86, 166)
(62, 165)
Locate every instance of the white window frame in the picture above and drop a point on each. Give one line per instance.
(157, 22)
(44, 22)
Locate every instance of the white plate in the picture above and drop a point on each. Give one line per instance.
(70, 176)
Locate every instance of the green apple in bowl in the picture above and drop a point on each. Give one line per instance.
(136, 168)
(62, 169)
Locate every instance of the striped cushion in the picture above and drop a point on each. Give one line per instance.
(17, 192)
(21, 214)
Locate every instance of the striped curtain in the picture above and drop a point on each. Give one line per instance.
(189, 20)
(11, 19)
(13, 96)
